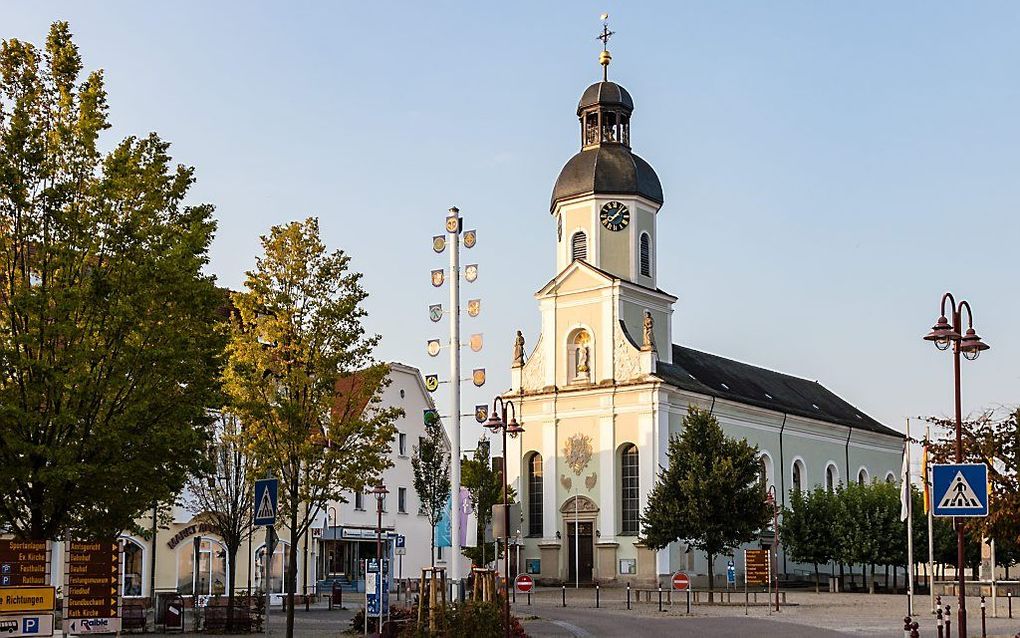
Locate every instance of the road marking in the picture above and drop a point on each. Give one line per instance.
(573, 629)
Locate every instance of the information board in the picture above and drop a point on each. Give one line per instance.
(756, 566)
(24, 563)
(91, 592)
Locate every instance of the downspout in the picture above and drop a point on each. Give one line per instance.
(848, 435)
(711, 409)
(782, 476)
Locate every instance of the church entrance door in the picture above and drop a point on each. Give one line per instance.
(581, 541)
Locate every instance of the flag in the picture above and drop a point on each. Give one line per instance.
(905, 483)
(924, 476)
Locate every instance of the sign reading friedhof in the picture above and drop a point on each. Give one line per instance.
(91, 594)
(756, 566)
(960, 489)
(24, 563)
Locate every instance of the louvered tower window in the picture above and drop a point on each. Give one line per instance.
(646, 255)
(578, 246)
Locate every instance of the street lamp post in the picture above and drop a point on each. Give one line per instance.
(771, 499)
(945, 334)
(498, 422)
(380, 492)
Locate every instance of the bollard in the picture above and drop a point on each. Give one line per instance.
(906, 627)
(688, 601)
(660, 597)
(628, 596)
(564, 590)
(913, 630)
(938, 621)
(529, 598)
(949, 627)
(984, 634)
(1009, 598)
(596, 595)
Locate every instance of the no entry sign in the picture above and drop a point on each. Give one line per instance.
(524, 583)
(680, 581)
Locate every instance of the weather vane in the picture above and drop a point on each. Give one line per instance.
(604, 57)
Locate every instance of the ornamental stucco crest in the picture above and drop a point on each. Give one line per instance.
(578, 452)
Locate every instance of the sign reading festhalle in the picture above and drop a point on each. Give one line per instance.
(91, 578)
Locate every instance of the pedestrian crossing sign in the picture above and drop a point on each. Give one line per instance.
(960, 489)
(266, 501)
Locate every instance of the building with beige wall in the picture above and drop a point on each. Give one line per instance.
(605, 386)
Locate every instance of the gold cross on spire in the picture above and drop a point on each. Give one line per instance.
(604, 57)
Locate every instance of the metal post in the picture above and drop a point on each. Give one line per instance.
(906, 627)
(1009, 603)
(529, 598)
(983, 631)
(995, 607)
(688, 601)
(577, 546)
(379, 560)
(563, 591)
(596, 595)
(628, 595)
(660, 597)
(960, 559)
(939, 622)
(949, 625)
(454, 412)
(152, 563)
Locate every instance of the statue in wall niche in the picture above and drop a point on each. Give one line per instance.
(518, 350)
(582, 361)
(649, 338)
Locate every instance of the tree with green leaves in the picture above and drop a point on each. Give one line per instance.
(807, 529)
(486, 487)
(109, 330)
(301, 378)
(711, 496)
(224, 496)
(431, 464)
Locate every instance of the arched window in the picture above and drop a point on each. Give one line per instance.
(211, 576)
(798, 475)
(831, 477)
(630, 507)
(131, 579)
(277, 568)
(535, 495)
(646, 255)
(890, 477)
(765, 470)
(862, 476)
(578, 246)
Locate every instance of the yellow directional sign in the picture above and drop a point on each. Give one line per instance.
(21, 599)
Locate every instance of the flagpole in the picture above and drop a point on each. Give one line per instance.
(910, 526)
(927, 508)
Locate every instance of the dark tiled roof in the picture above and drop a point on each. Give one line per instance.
(606, 93)
(607, 169)
(735, 381)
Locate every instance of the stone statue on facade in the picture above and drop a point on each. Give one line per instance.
(518, 350)
(582, 362)
(648, 342)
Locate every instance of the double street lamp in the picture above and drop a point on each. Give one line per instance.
(946, 334)
(498, 422)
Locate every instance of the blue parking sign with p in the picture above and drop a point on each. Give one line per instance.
(960, 489)
(266, 501)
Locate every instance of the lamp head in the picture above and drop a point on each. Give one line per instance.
(380, 491)
(514, 428)
(494, 423)
(971, 345)
(942, 334)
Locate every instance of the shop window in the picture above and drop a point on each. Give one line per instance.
(131, 582)
(211, 575)
(277, 568)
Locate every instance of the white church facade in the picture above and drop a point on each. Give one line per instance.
(605, 386)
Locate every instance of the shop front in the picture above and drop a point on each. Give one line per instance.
(342, 554)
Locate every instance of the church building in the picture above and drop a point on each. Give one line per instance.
(605, 385)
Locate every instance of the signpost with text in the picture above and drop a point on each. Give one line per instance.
(91, 592)
(756, 570)
(24, 563)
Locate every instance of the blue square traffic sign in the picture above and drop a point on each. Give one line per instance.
(266, 501)
(960, 489)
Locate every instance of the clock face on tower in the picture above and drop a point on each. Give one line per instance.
(615, 216)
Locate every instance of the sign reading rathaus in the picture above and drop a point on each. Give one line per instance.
(605, 385)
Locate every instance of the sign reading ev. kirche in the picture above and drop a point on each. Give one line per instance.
(24, 563)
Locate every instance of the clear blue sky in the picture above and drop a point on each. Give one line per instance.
(829, 168)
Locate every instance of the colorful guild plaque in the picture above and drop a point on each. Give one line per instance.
(476, 342)
(471, 272)
(439, 243)
(478, 377)
(438, 277)
(433, 347)
(470, 238)
(474, 307)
